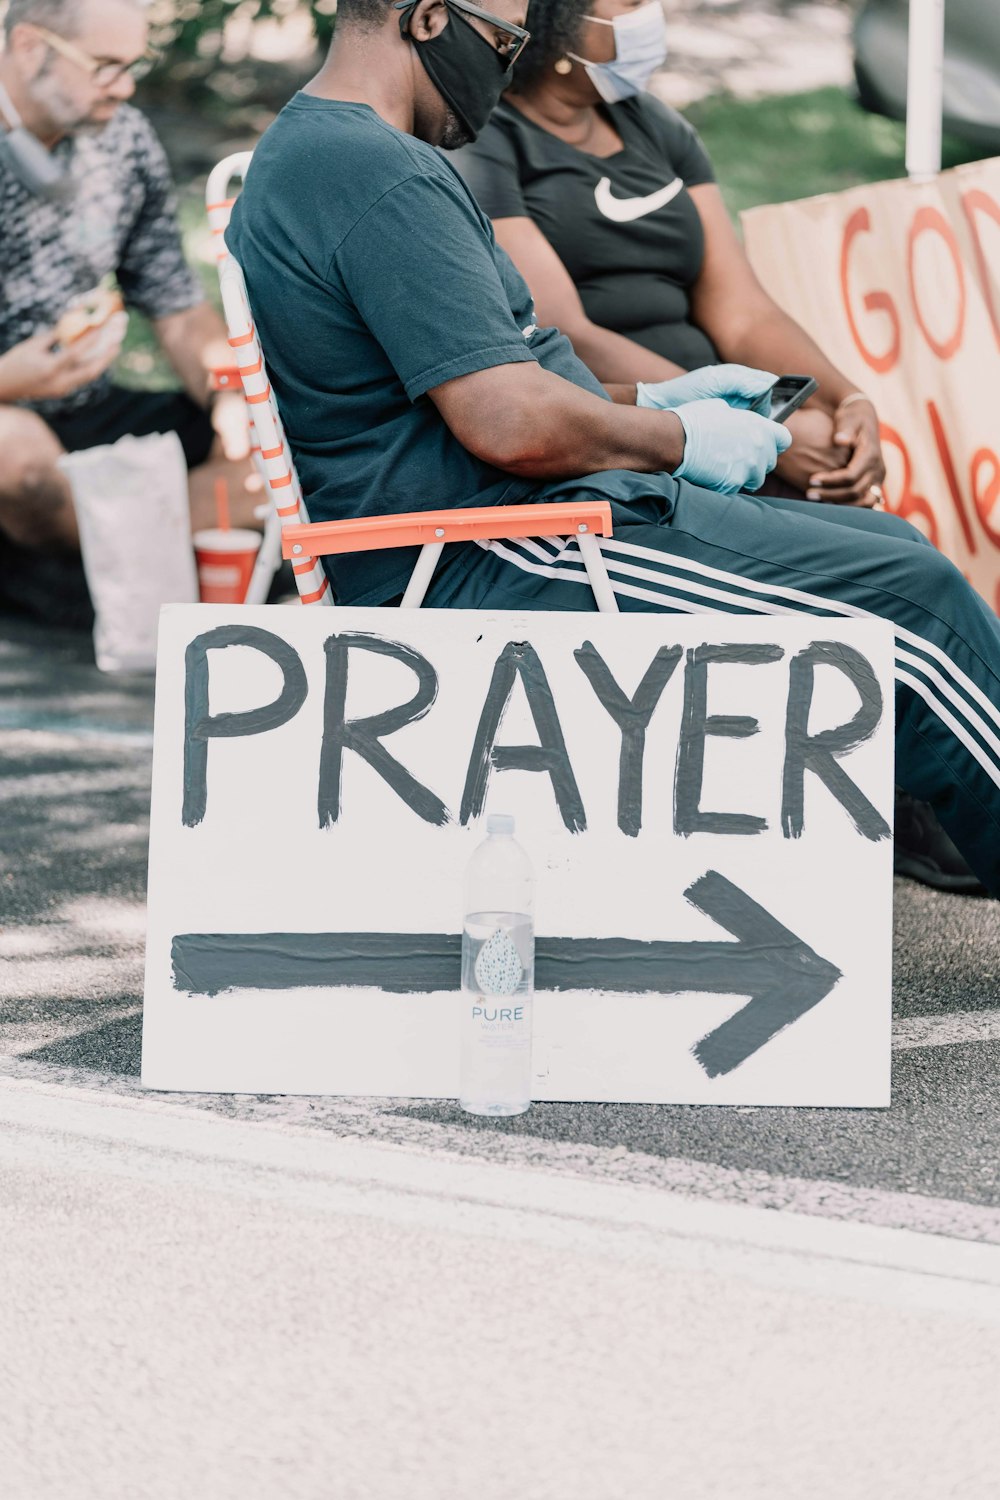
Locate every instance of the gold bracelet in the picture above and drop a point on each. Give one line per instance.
(855, 396)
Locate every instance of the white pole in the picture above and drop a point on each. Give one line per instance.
(420, 578)
(597, 572)
(924, 89)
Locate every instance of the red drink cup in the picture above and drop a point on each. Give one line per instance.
(225, 562)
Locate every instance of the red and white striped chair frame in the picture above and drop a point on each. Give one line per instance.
(218, 206)
(275, 459)
(304, 542)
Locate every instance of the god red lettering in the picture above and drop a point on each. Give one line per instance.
(984, 473)
(925, 220)
(908, 504)
(873, 302)
(973, 202)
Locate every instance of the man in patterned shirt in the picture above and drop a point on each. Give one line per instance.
(68, 69)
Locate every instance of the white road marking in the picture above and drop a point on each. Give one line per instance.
(183, 1148)
(365, 1121)
(946, 1031)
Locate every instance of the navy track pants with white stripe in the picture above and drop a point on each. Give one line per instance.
(679, 548)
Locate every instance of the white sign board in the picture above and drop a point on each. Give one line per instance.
(706, 801)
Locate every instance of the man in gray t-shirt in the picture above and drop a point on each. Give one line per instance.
(86, 197)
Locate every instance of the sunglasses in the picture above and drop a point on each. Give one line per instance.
(517, 37)
(103, 72)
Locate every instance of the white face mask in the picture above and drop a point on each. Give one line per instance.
(640, 48)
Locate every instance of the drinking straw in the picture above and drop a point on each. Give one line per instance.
(222, 503)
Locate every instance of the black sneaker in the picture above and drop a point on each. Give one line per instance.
(923, 851)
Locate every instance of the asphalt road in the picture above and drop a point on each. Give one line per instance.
(359, 1299)
(75, 750)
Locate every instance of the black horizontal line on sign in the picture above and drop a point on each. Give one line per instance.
(778, 971)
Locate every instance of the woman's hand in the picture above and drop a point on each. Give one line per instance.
(813, 448)
(858, 480)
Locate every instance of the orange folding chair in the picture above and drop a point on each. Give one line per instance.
(304, 542)
(218, 206)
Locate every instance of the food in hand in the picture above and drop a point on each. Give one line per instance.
(91, 311)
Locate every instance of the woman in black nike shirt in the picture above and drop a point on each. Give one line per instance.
(605, 200)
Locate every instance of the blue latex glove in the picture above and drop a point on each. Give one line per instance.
(738, 385)
(728, 450)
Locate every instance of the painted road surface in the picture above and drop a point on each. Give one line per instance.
(353, 1298)
(211, 1307)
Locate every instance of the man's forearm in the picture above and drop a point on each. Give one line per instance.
(194, 341)
(533, 423)
(569, 440)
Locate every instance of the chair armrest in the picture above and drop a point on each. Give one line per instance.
(417, 528)
(225, 378)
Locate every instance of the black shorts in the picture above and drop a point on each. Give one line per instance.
(51, 585)
(138, 413)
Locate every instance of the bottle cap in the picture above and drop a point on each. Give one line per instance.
(499, 823)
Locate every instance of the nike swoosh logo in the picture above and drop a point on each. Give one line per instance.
(624, 210)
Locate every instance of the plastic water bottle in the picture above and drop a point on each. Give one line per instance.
(498, 971)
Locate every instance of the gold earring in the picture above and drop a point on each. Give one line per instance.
(563, 66)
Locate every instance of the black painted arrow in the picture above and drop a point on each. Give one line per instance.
(780, 973)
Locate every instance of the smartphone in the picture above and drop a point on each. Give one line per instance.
(787, 394)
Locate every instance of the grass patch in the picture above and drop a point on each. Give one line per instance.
(799, 145)
(140, 362)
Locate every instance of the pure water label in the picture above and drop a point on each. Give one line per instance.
(497, 949)
(498, 968)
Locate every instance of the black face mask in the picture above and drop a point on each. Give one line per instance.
(468, 73)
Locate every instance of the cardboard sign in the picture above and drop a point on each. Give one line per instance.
(899, 284)
(706, 802)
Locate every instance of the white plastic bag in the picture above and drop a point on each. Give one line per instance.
(131, 502)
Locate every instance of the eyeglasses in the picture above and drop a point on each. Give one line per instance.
(103, 72)
(516, 36)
